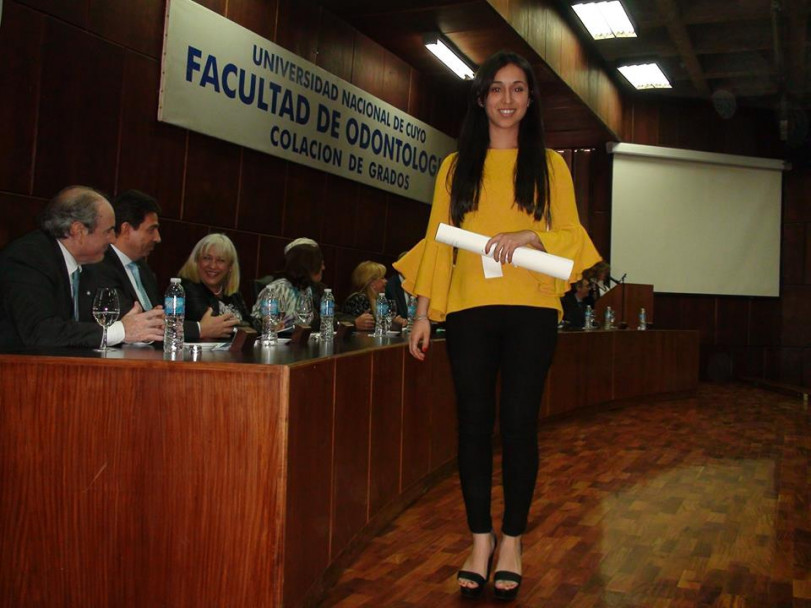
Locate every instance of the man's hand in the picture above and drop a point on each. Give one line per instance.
(140, 326)
(365, 322)
(215, 328)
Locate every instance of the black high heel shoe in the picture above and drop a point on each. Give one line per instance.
(504, 576)
(473, 593)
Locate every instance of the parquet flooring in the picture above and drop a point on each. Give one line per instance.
(684, 503)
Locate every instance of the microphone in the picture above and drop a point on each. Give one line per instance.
(622, 279)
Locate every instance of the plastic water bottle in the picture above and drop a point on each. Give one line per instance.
(589, 321)
(327, 315)
(412, 311)
(381, 316)
(174, 309)
(609, 318)
(643, 320)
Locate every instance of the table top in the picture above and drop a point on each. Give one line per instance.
(282, 353)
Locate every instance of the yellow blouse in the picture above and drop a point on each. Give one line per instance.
(428, 269)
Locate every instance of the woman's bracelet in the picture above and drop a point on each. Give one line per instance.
(421, 318)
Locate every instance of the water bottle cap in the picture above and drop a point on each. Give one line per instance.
(328, 290)
(174, 280)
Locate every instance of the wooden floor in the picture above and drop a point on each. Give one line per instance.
(694, 502)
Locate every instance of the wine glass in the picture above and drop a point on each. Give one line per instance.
(105, 311)
(391, 313)
(304, 309)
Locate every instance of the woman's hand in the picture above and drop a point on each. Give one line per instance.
(419, 338)
(504, 244)
(365, 322)
(217, 327)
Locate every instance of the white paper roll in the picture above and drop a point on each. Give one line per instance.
(525, 257)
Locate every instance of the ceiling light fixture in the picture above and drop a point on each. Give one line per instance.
(605, 19)
(645, 76)
(448, 55)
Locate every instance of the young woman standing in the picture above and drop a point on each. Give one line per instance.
(501, 182)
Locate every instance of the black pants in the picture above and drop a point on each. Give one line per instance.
(518, 341)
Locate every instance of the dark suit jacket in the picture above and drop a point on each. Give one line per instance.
(36, 305)
(110, 272)
(574, 312)
(394, 291)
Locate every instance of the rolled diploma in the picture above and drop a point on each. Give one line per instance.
(525, 257)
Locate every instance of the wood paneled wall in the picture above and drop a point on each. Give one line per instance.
(80, 83)
(766, 338)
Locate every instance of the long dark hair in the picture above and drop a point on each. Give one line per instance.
(531, 171)
(300, 264)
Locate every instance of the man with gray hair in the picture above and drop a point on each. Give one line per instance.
(39, 278)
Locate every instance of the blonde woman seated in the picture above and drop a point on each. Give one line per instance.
(303, 269)
(368, 280)
(210, 278)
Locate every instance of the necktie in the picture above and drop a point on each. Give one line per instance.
(74, 290)
(146, 304)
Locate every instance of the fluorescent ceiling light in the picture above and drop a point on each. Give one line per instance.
(645, 76)
(443, 51)
(605, 19)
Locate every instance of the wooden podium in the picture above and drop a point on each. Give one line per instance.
(626, 299)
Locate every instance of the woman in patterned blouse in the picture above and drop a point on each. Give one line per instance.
(303, 269)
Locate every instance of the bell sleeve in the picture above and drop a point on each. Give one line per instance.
(427, 267)
(567, 237)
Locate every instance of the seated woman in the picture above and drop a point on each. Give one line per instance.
(210, 278)
(303, 269)
(368, 280)
(599, 276)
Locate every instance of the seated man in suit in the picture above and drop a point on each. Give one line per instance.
(124, 267)
(394, 291)
(575, 302)
(39, 278)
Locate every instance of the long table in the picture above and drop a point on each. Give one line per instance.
(245, 479)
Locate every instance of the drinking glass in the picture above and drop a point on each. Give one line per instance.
(304, 309)
(105, 311)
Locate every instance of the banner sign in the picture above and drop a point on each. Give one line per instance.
(221, 79)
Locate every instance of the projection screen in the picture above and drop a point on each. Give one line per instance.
(696, 222)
